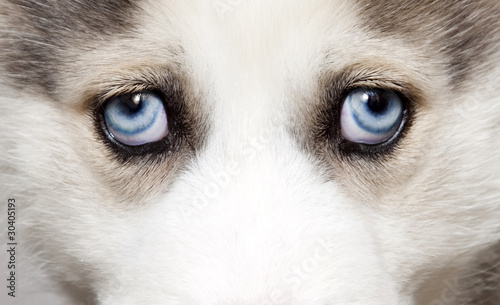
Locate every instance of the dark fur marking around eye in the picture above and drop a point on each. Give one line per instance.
(329, 127)
(322, 136)
(43, 29)
(187, 126)
(465, 32)
(135, 173)
(172, 143)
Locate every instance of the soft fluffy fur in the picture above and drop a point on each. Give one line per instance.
(256, 203)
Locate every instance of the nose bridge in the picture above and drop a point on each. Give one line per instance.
(250, 118)
(250, 144)
(253, 169)
(274, 227)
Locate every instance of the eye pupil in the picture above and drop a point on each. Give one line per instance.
(133, 104)
(376, 102)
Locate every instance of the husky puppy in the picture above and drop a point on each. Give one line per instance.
(251, 152)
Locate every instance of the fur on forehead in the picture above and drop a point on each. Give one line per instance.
(466, 33)
(36, 32)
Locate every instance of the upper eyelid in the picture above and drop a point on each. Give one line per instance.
(338, 84)
(380, 84)
(356, 80)
(159, 80)
(108, 93)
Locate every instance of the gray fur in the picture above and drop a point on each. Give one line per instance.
(35, 34)
(466, 32)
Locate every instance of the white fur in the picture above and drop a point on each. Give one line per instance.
(254, 219)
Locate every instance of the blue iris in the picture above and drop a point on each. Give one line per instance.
(136, 119)
(371, 116)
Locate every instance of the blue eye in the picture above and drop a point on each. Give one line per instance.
(371, 116)
(136, 119)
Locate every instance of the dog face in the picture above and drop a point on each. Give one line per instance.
(253, 152)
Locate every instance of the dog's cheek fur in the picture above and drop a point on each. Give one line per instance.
(50, 177)
(468, 186)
